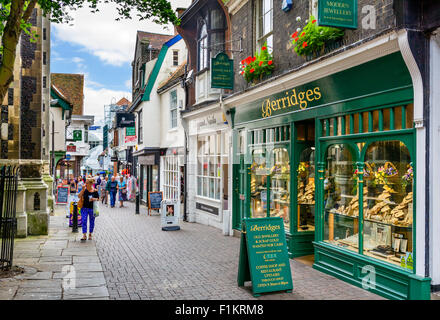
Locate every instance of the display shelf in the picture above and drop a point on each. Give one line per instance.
(388, 224)
(309, 228)
(306, 203)
(369, 198)
(340, 214)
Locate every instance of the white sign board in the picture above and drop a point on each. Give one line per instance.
(170, 215)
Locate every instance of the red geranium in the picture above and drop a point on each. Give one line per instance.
(304, 44)
(303, 34)
(269, 62)
(295, 34)
(264, 48)
(260, 63)
(252, 70)
(314, 21)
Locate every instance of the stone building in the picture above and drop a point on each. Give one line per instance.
(25, 128)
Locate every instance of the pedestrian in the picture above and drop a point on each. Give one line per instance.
(88, 195)
(104, 190)
(80, 184)
(113, 188)
(122, 187)
(72, 193)
(133, 187)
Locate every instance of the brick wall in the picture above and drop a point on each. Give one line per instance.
(284, 24)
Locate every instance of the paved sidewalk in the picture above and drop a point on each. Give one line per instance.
(50, 261)
(141, 261)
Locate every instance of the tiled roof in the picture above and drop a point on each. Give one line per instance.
(156, 39)
(173, 78)
(72, 87)
(123, 102)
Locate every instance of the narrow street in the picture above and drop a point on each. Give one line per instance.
(140, 261)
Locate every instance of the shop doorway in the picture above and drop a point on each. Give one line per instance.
(304, 189)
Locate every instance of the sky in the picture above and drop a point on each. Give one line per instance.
(102, 49)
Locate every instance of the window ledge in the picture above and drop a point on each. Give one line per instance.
(173, 129)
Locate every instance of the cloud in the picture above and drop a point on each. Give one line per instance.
(96, 98)
(128, 84)
(111, 41)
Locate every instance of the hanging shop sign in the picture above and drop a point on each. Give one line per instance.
(340, 13)
(263, 256)
(154, 200)
(125, 119)
(170, 215)
(105, 137)
(130, 141)
(222, 72)
(387, 75)
(70, 148)
(77, 135)
(130, 131)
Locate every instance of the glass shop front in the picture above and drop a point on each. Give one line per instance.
(335, 158)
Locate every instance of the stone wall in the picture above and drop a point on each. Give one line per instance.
(284, 24)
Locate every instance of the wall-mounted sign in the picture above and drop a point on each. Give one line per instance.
(205, 207)
(130, 131)
(341, 13)
(263, 256)
(70, 148)
(286, 5)
(222, 72)
(68, 157)
(125, 119)
(130, 141)
(77, 135)
(94, 127)
(170, 214)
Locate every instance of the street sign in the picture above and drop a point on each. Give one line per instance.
(222, 72)
(340, 14)
(94, 127)
(263, 256)
(170, 214)
(77, 135)
(68, 157)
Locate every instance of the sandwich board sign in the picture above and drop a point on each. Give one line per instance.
(154, 200)
(170, 214)
(263, 256)
(62, 194)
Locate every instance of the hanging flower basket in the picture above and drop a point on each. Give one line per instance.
(313, 40)
(255, 69)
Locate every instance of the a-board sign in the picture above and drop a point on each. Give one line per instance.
(154, 200)
(263, 256)
(62, 194)
(170, 214)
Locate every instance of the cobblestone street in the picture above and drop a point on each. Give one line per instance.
(140, 261)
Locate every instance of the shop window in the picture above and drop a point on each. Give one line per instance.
(259, 173)
(388, 203)
(280, 185)
(171, 178)
(265, 24)
(306, 190)
(209, 165)
(341, 199)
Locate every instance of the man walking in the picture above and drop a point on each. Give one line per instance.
(104, 190)
(113, 188)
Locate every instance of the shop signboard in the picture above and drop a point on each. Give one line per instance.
(94, 127)
(130, 131)
(62, 194)
(130, 141)
(340, 13)
(222, 72)
(154, 200)
(125, 119)
(263, 256)
(71, 148)
(77, 135)
(170, 215)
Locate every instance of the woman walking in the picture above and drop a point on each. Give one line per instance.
(89, 194)
(122, 187)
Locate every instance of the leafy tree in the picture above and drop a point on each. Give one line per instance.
(15, 14)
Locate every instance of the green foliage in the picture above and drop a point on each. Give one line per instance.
(256, 67)
(313, 38)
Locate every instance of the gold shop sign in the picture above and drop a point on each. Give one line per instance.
(292, 99)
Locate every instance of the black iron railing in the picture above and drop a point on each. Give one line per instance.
(8, 219)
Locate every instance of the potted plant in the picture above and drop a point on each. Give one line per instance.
(313, 40)
(253, 69)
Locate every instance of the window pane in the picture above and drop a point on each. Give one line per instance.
(259, 175)
(205, 187)
(217, 19)
(388, 202)
(306, 190)
(341, 201)
(199, 186)
(280, 186)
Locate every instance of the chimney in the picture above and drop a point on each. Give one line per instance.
(179, 12)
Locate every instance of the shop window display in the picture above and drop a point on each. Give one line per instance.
(341, 198)
(280, 185)
(306, 190)
(259, 173)
(388, 209)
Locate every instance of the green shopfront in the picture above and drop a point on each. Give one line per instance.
(335, 157)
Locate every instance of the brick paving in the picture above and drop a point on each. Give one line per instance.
(140, 261)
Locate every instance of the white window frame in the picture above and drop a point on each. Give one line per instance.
(171, 177)
(140, 129)
(173, 109)
(213, 177)
(262, 38)
(175, 58)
